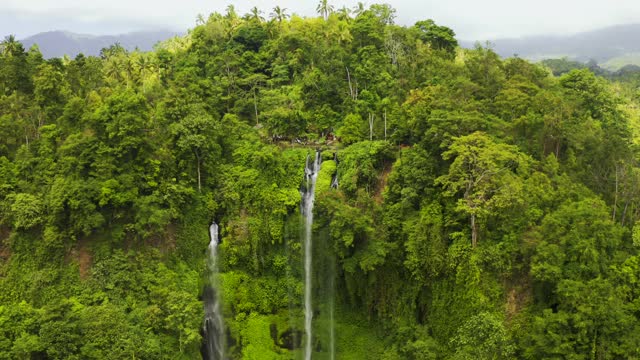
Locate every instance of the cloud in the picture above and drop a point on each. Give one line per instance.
(471, 19)
(23, 24)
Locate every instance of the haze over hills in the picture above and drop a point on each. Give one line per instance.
(612, 47)
(60, 43)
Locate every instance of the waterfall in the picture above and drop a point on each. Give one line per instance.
(308, 194)
(334, 181)
(332, 326)
(213, 328)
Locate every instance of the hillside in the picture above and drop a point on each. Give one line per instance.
(330, 187)
(619, 62)
(59, 43)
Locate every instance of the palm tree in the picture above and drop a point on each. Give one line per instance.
(384, 12)
(232, 20)
(359, 9)
(200, 19)
(344, 13)
(145, 65)
(255, 14)
(113, 50)
(342, 33)
(279, 14)
(10, 46)
(113, 68)
(231, 13)
(130, 71)
(324, 9)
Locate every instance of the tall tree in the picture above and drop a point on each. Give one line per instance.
(438, 37)
(196, 134)
(344, 13)
(255, 14)
(279, 14)
(324, 9)
(359, 8)
(485, 174)
(10, 46)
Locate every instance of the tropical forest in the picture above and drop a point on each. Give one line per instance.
(339, 186)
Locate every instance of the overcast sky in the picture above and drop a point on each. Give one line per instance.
(470, 19)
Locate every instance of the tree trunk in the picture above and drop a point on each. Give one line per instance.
(385, 124)
(350, 86)
(615, 197)
(624, 213)
(474, 231)
(371, 118)
(199, 179)
(255, 105)
(199, 174)
(355, 97)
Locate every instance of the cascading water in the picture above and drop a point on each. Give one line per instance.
(308, 196)
(334, 181)
(213, 329)
(332, 329)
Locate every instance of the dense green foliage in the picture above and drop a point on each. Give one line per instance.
(486, 209)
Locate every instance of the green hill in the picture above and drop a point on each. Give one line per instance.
(482, 209)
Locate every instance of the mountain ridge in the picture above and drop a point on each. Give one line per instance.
(58, 43)
(600, 45)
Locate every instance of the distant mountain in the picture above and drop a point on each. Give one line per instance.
(619, 62)
(60, 43)
(621, 41)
